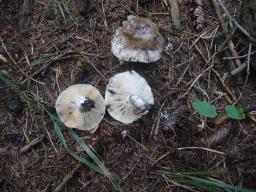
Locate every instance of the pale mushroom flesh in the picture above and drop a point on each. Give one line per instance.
(128, 97)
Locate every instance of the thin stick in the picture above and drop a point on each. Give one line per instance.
(53, 60)
(183, 74)
(231, 46)
(32, 144)
(134, 140)
(62, 12)
(235, 22)
(131, 170)
(196, 79)
(202, 148)
(155, 126)
(238, 57)
(224, 85)
(160, 158)
(94, 67)
(50, 139)
(67, 178)
(219, 78)
(248, 59)
(238, 69)
(180, 185)
(248, 66)
(28, 140)
(7, 51)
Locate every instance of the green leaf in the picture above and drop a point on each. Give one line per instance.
(205, 109)
(235, 112)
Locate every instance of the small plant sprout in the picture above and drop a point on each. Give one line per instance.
(235, 112)
(138, 40)
(81, 106)
(206, 109)
(128, 97)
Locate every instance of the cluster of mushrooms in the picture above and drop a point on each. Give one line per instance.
(128, 96)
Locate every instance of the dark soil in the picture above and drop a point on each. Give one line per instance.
(77, 49)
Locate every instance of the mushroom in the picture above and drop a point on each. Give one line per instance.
(138, 40)
(80, 106)
(128, 97)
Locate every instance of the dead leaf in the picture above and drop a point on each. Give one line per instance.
(219, 136)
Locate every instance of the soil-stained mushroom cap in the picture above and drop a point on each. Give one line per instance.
(138, 40)
(81, 106)
(128, 97)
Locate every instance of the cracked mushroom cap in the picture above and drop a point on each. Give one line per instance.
(138, 40)
(128, 97)
(80, 106)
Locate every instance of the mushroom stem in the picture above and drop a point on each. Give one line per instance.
(139, 103)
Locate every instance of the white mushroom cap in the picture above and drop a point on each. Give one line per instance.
(81, 106)
(128, 97)
(138, 40)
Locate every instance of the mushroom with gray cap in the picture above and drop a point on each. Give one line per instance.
(138, 40)
(128, 97)
(81, 106)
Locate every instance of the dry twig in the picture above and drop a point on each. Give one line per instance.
(235, 22)
(66, 178)
(202, 148)
(32, 144)
(231, 46)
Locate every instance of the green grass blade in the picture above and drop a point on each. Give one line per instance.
(56, 121)
(81, 142)
(195, 184)
(11, 85)
(14, 88)
(113, 179)
(219, 184)
(199, 173)
(73, 154)
(202, 183)
(40, 60)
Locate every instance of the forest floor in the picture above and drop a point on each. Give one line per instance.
(50, 45)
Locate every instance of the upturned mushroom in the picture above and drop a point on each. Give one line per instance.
(138, 40)
(80, 106)
(128, 97)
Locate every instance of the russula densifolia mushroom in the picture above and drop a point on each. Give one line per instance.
(80, 106)
(128, 97)
(138, 40)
